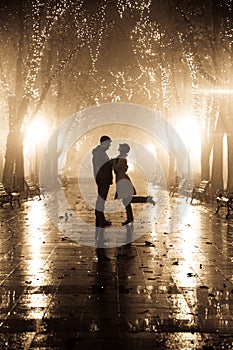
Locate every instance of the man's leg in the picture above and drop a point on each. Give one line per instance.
(100, 204)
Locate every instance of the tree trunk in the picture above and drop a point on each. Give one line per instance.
(217, 165)
(8, 170)
(172, 173)
(13, 173)
(207, 142)
(230, 162)
(49, 177)
(1, 165)
(205, 159)
(19, 164)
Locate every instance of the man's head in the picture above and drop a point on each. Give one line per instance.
(105, 142)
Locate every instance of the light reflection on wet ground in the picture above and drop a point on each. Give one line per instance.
(167, 290)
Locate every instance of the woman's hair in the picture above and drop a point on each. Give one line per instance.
(124, 147)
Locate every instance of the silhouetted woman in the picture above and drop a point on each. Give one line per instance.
(124, 188)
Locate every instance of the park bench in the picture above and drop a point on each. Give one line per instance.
(224, 199)
(178, 188)
(201, 192)
(9, 196)
(32, 189)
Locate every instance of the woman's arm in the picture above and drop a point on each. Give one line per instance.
(120, 165)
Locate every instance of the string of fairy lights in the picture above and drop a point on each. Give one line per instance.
(152, 49)
(207, 50)
(98, 26)
(39, 39)
(140, 5)
(151, 44)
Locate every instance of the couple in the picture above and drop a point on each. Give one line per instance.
(103, 168)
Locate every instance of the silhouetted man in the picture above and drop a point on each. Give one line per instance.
(102, 167)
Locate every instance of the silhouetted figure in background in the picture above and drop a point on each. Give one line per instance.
(102, 168)
(124, 187)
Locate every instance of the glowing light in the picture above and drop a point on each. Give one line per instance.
(37, 132)
(151, 148)
(188, 130)
(36, 135)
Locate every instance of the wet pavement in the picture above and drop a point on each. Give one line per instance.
(168, 289)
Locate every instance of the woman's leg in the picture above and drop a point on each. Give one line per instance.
(139, 199)
(129, 211)
(135, 199)
(142, 199)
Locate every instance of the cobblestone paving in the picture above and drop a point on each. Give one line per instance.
(171, 288)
